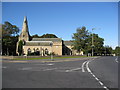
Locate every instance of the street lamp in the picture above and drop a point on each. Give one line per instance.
(92, 42)
(51, 44)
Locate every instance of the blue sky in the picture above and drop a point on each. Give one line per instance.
(63, 18)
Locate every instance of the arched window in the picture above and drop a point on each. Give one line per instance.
(29, 51)
(34, 49)
(37, 51)
(23, 42)
(46, 51)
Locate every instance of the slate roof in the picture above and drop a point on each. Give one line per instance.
(38, 43)
(48, 39)
(68, 42)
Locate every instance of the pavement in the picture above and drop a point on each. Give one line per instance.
(95, 72)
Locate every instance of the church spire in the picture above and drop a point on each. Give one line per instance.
(25, 32)
(25, 25)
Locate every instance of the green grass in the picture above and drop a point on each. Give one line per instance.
(63, 57)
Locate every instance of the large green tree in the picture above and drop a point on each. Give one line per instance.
(117, 51)
(108, 50)
(79, 39)
(97, 42)
(9, 30)
(83, 41)
(9, 38)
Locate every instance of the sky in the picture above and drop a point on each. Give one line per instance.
(63, 18)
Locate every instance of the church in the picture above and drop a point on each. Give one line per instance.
(44, 46)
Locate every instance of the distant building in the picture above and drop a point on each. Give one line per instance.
(44, 46)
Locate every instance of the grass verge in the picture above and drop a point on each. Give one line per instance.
(62, 57)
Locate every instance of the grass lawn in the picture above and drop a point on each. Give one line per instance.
(62, 57)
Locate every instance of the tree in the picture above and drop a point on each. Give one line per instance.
(98, 44)
(9, 38)
(79, 38)
(43, 36)
(35, 36)
(83, 41)
(48, 36)
(20, 47)
(9, 30)
(108, 50)
(117, 51)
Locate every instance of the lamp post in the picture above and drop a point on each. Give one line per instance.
(51, 44)
(92, 42)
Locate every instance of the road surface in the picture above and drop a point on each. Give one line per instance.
(96, 72)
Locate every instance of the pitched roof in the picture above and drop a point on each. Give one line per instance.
(68, 42)
(48, 39)
(38, 43)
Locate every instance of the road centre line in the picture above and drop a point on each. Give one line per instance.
(50, 64)
(4, 67)
(72, 70)
(27, 68)
(49, 69)
(88, 69)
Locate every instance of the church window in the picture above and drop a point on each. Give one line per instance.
(37, 49)
(29, 51)
(34, 49)
(46, 51)
(23, 42)
(37, 52)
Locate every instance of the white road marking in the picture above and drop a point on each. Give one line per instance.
(45, 64)
(93, 75)
(28, 68)
(116, 59)
(88, 69)
(49, 69)
(83, 70)
(50, 64)
(101, 83)
(87, 66)
(4, 67)
(105, 88)
(73, 70)
(96, 78)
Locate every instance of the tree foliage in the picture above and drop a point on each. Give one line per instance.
(35, 36)
(9, 30)
(108, 50)
(20, 47)
(97, 42)
(9, 38)
(83, 41)
(79, 38)
(44, 36)
(117, 51)
(48, 36)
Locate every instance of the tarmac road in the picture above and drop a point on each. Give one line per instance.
(100, 72)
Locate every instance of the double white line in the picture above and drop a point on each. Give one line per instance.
(85, 65)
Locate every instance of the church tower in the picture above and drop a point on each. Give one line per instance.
(25, 36)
